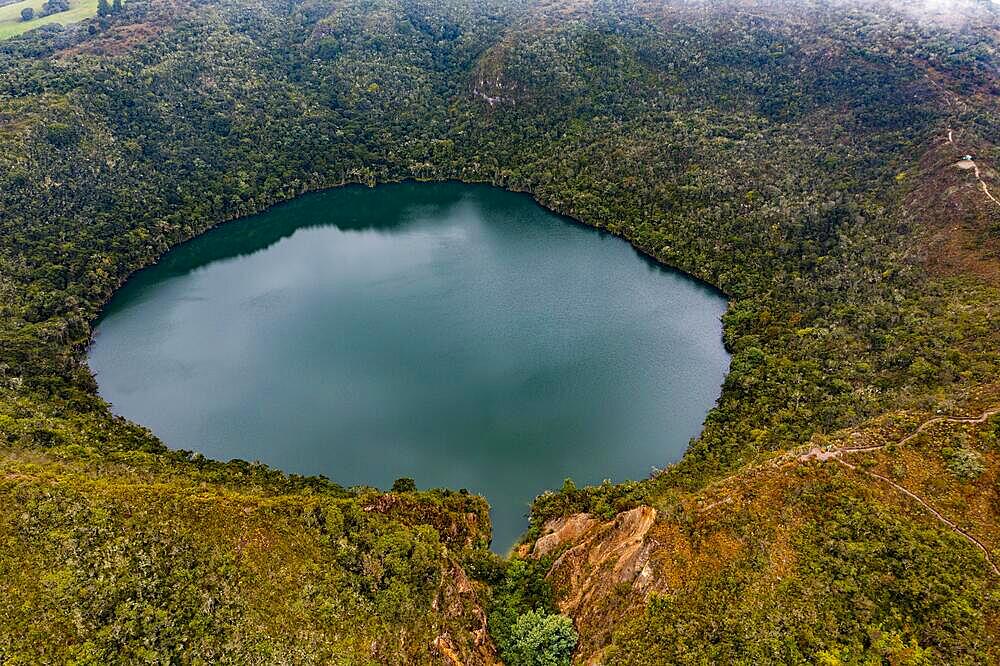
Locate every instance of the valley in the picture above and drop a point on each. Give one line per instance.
(840, 502)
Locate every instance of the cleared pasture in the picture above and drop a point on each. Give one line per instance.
(11, 23)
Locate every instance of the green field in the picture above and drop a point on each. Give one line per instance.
(11, 23)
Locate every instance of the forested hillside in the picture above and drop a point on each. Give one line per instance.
(831, 166)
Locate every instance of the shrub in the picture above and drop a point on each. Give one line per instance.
(522, 590)
(541, 639)
(55, 7)
(404, 485)
(991, 436)
(27, 14)
(965, 463)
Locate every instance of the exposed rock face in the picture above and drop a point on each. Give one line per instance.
(750, 531)
(458, 599)
(448, 650)
(561, 531)
(604, 562)
(608, 555)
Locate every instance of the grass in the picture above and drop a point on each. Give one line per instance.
(245, 573)
(810, 560)
(12, 25)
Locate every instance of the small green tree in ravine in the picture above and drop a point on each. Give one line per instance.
(103, 8)
(523, 618)
(541, 639)
(27, 14)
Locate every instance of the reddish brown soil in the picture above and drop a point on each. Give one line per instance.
(948, 205)
(115, 41)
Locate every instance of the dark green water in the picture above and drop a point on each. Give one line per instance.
(456, 334)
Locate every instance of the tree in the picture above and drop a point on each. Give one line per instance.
(103, 8)
(541, 639)
(27, 14)
(404, 485)
(965, 463)
(54, 7)
(116, 7)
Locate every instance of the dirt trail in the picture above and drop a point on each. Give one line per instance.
(836, 454)
(986, 190)
(975, 169)
(934, 512)
(957, 103)
(982, 418)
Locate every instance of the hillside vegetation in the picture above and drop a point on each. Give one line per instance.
(805, 157)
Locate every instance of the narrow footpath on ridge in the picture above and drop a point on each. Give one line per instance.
(836, 454)
(967, 164)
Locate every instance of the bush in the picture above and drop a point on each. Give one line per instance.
(541, 639)
(965, 463)
(27, 14)
(55, 7)
(991, 436)
(520, 588)
(404, 485)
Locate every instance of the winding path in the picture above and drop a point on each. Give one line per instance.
(954, 101)
(934, 512)
(818, 453)
(975, 170)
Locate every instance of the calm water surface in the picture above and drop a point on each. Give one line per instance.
(456, 334)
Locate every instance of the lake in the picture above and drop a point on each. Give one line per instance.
(457, 334)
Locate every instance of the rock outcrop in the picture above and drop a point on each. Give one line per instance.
(600, 563)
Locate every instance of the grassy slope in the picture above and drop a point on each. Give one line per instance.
(807, 555)
(109, 559)
(11, 23)
(790, 592)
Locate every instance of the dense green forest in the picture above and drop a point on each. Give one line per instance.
(798, 155)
